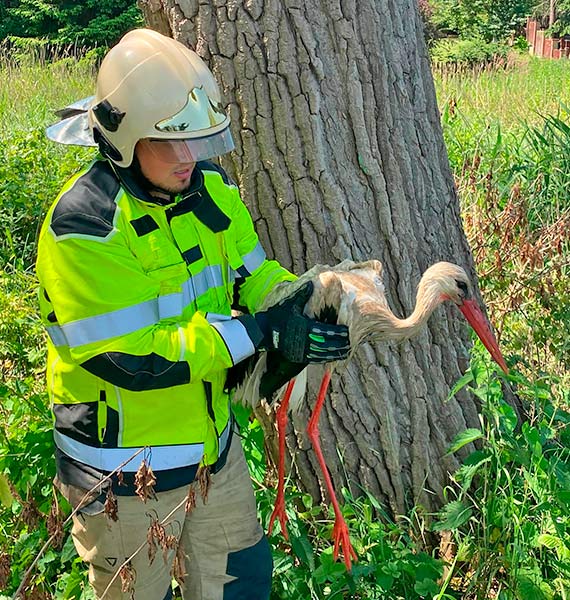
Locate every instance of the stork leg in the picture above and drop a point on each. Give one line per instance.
(279, 510)
(340, 532)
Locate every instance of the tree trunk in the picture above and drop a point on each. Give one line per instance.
(340, 154)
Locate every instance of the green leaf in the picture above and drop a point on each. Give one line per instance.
(465, 379)
(464, 438)
(384, 581)
(527, 588)
(6, 497)
(426, 587)
(550, 541)
(303, 550)
(453, 515)
(68, 552)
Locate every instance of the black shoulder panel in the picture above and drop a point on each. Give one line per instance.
(88, 208)
(138, 373)
(206, 165)
(207, 211)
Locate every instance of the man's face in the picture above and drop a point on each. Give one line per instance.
(173, 177)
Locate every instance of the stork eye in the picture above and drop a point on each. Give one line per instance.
(462, 287)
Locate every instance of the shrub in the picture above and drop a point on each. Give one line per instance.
(467, 52)
(509, 505)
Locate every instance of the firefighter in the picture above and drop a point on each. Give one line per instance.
(141, 260)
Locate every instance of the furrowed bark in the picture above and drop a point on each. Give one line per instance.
(340, 154)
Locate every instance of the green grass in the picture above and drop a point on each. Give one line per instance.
(31, 91)
(507, 133)
(32, 169)
(517, 96)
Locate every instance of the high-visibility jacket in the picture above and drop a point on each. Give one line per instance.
(136, 296)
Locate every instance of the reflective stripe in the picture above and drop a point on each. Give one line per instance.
(56, 335)
(254, 259)
(236, 338)
(132, 318)
(108, 459)
(224, 437)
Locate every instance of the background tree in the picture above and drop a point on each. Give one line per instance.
(339, 154)
(488, 20)
(64, 22)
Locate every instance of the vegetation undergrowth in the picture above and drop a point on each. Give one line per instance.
(509, 148)
(508, 503)
(506, 518)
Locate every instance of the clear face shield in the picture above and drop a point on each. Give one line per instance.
(189, 150)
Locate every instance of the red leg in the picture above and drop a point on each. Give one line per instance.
(340, 532)
(279, 510)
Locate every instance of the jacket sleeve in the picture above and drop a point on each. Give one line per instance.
(258, 275)
(102, 311)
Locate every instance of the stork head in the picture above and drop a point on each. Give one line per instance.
(451, 283)
(446, 281)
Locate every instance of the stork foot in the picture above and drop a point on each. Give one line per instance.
(342, 544)
(279, 513)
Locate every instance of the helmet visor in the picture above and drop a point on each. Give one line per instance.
(190, 150)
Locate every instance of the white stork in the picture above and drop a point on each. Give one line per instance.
(356, 294)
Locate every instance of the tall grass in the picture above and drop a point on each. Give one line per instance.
(516, 96)
(31, 90)
(32, 169)
(508, 137)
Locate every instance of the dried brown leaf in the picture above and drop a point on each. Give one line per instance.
(178, 571)
(111, 505)
(128, 577)
(36, 592)
(55, 525)
(30, 514)
(190, 500)
(145, 482)
(156, 536)
(170, 543)
(204, 480)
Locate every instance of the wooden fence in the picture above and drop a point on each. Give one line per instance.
(543, 45)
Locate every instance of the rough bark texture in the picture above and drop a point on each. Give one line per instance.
(339, 154)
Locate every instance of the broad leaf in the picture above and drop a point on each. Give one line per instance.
(463, 438)
(453, 515)
(6, 497)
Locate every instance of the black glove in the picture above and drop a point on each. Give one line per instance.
(279, 371)
(301, 340)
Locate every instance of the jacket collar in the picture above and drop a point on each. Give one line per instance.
(133, 183)
(195, 199)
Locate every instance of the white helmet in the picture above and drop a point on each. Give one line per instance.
(152, 88)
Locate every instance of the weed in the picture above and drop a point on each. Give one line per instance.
(508, 508)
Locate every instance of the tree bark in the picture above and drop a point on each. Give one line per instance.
(340, 154)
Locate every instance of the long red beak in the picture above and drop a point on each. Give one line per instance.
(476, 319)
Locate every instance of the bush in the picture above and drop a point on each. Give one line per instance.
(32, 171)
(509, 504)
(467, 52)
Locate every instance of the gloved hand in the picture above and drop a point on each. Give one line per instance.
(300, 339)
(279, 371)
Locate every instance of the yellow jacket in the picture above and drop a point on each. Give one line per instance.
(136, 297)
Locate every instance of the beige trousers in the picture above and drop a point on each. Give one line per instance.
(226, 555)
